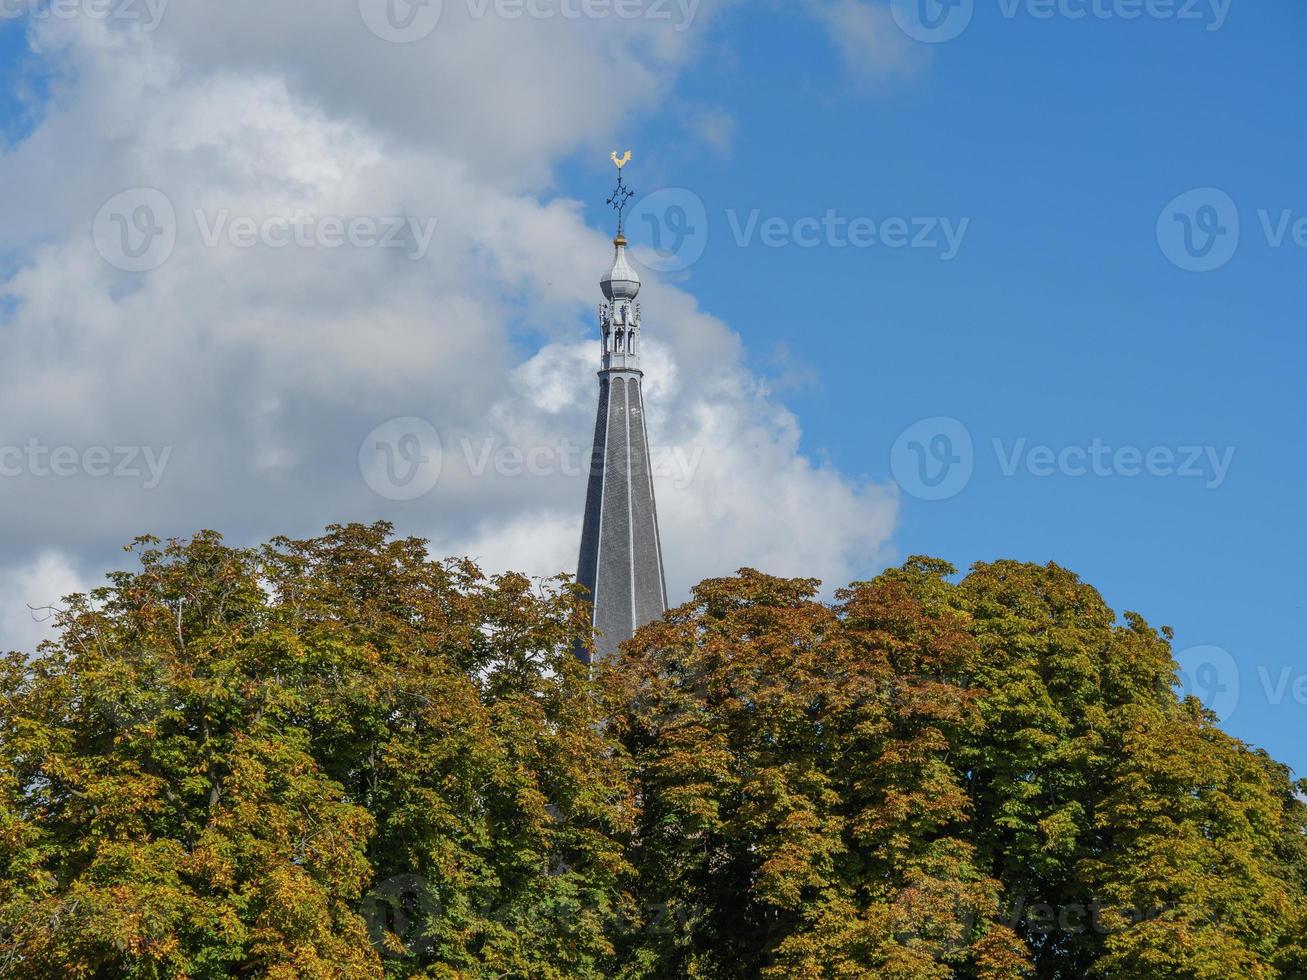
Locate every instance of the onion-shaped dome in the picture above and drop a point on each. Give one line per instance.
(621, 282)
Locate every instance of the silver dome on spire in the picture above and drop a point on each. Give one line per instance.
(621, 282)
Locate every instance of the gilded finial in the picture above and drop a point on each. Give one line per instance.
(622, 196)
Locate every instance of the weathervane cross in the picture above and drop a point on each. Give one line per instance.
(622, 196)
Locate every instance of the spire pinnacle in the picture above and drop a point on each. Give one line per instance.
(622, 196)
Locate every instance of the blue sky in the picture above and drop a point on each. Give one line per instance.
(1060, 320)
(1053, 149)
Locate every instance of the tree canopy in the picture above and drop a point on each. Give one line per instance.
(339, 757)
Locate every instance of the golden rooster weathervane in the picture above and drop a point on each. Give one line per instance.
(622, 196)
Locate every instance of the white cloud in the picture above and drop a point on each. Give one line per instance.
(715, 126)
(733, 487)
(255, 373)
(29, 596)
(871, 46)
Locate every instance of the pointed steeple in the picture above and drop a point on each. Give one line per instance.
(621, 562)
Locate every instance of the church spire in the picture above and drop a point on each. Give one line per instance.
(621, 562)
